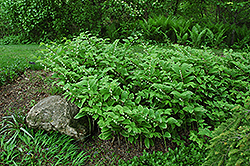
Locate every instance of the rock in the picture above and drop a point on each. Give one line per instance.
(56, 113)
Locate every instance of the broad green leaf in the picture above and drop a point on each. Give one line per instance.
(79, 115)
(167, 135)
(112, 114)
(163, 125)
(145, 124)
(124, 96)
(126, 121)
(145, 111)
(205, 131)
(124, 133)
(106, 96)
(106, 135)
(131, 139)
(138, 99)
(131, 96)
(172, 120)
(176, 94)
(146, 141)
(151, 113)
(168, 111)
(188, 109)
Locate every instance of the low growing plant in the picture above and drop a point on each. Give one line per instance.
(154, 93)
(182, 156)
(231, 140)
(23, 146)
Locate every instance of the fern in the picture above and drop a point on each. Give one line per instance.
(197, 34)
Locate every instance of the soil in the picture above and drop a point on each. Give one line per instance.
(32, 86)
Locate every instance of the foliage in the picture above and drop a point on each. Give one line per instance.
(24, 21)
(148, 94)
(181, 156)
(8, 74)
(231, 140)
(23, 146)
(41, 20)
(181, 27)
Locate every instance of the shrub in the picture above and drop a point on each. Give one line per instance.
(151, 93)
(231, 140)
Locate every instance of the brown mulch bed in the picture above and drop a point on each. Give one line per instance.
(29, 88)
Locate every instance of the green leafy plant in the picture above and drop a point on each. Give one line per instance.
(183, 155)
(181, 27)
(216, 33)
(197, 35)
(231, 140)
(158, 28)
(22, 146)
(242, 39)
(148, 94)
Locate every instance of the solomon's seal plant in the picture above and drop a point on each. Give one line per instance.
(151, 93)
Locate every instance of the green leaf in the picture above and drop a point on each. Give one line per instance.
(172, 120)
(106, 135)
(138, 99)
(188, 109)
(96, 116)
(167, 135)
(131, 139)
(147, 144)
(106, 96)
(176, 94)
(83, 111)
(163, 125)
(131, 96)
(112, 114)
(145, 125)
(124, 96)
(126, 121)
(124, 133)
(205, 131)
(145, 111)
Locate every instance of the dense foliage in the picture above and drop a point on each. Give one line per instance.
(183, 156)
(148, 92)
(231, 140)
(196, 23)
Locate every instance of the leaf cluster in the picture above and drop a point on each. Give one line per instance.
(151, 93)
(187, 32)
(231, 140)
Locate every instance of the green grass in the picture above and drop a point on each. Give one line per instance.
(15, 59)
(11, 53)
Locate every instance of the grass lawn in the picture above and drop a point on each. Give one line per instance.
(12, 53)
(15, 59)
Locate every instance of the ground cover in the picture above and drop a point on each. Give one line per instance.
(27, 89)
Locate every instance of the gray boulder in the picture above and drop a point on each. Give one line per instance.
(56, 113)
